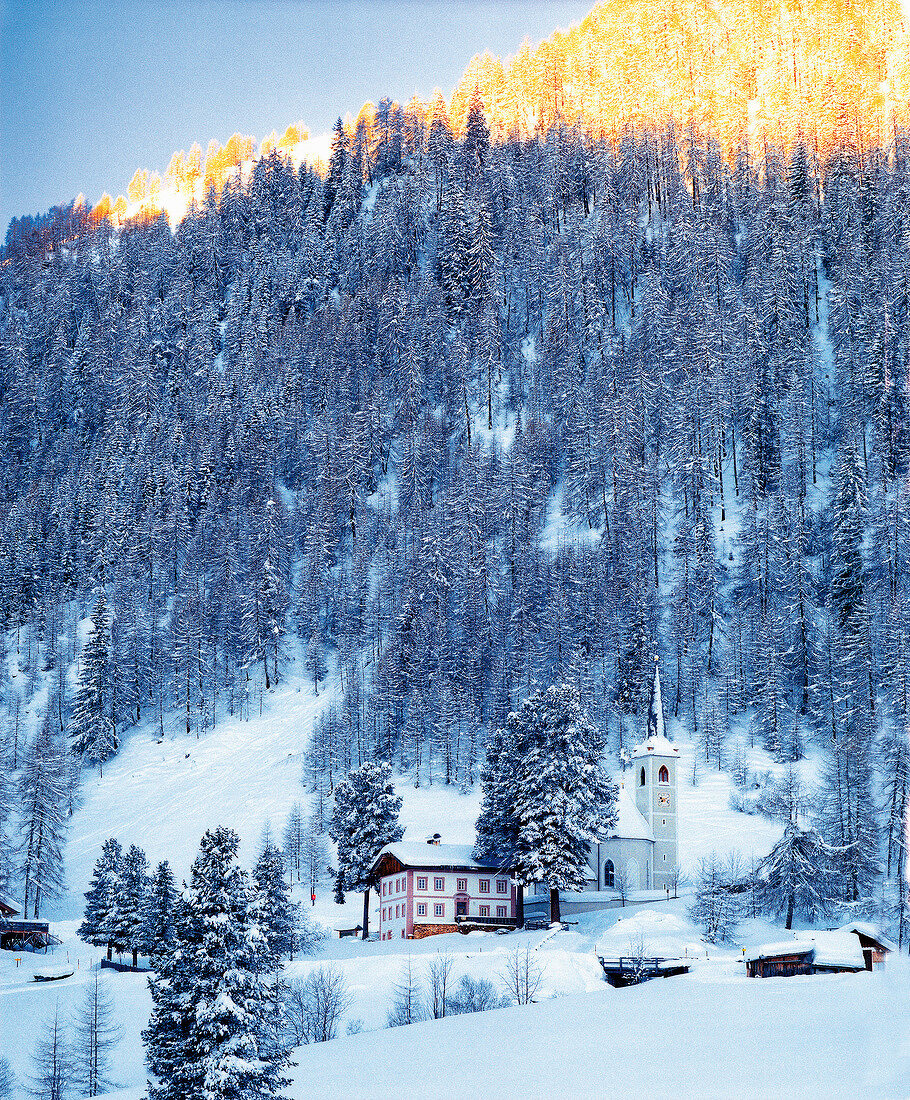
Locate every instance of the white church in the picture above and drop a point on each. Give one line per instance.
(641, 851)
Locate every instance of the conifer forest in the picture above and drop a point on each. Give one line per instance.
(460, 419)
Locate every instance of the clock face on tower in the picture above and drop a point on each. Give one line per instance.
(663, 800)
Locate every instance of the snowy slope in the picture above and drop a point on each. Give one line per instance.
(685, 1037)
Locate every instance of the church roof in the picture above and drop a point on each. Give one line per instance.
(655, 746)
(630, 824)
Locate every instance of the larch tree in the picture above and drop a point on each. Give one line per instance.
(42, 820)
(796, 877)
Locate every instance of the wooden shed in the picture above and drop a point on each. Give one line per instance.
(834, 952)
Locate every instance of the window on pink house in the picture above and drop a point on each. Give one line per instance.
(501, 886)
(439, 884)
(484, 910)
(439, 910)
(484, 886)
(462, 885)
(500, 910)
(421, 884)
(421, 909)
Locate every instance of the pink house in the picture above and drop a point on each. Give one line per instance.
(427, 889)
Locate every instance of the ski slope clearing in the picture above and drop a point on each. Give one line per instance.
(163, 795)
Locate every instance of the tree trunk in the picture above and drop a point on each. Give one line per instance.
(554, 905)
(135, 956)
(365, 934)
(520, 907)
(110, 950)
(790, 911)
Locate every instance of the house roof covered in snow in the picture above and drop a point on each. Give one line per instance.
(656, 746)
(416, 853)
(630, 824)
(7, 908)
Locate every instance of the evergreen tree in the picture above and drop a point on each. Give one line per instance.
(546, 793)
(7, 1081)
(274, 911)
(102, 899)
(93, 726)
(796, 876)
(127, 924)
(364, 820)
(159, 914)
(211, 1032)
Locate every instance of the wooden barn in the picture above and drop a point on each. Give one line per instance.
(837, 952)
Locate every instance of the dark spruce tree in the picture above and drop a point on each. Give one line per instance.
(158, 914)
(211, 1033)
(364, 820)
(547, 794)
(102, 900)
(93, 725)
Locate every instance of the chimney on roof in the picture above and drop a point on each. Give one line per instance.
(434, 839)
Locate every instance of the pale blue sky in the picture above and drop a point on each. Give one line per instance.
(92, 90)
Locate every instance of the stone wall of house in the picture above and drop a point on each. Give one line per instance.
(423, 930)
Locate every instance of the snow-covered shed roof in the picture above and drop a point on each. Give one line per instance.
(863, 928)
(655, 746)
(835, 949)
(416, 853)
(778, 950)
(841, 949)
(7, 908)
(630, 823)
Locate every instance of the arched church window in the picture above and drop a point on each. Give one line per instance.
(663, 776)
(641, 781)
(609, 874)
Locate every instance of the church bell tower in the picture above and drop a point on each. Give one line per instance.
(655, 768)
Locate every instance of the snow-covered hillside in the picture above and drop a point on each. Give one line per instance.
(579, 1040)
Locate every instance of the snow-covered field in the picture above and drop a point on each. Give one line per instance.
(711, 1033)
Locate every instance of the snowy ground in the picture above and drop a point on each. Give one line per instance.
(711, 1033)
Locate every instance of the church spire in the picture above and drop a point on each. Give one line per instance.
(656, 708)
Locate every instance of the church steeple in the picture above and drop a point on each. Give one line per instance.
(656, 708)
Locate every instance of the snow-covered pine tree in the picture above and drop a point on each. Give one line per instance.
(364, 820)
(275, 913)
(42, 819)
(159, 914)
(546, 796)
(93, 724)
(102, 898)
(795, 877)
(127, 925)
(210, 1036)
(848, 816)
